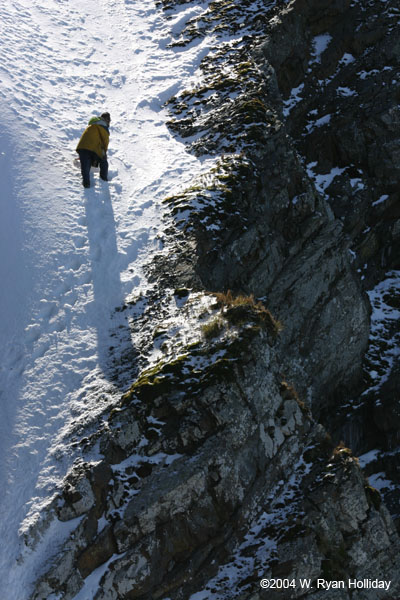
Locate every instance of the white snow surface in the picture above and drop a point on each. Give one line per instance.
(384, 348)
(322, 181)
(320, 44)
(70, 256)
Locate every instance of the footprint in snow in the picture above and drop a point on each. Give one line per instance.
(85, 279)
(79, 241)
(76, 264)
(63, 288)
(41, 350)
(48, 309)
(59, 325)
(32, 333)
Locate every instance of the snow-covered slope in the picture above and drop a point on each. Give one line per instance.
(69, 256)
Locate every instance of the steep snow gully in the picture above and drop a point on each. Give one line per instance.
(69, 256)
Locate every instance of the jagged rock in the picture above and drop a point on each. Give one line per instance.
(288, 239)
(354, 86)
(102, 549)
(387, 411)
(78, 495)
(164, 537)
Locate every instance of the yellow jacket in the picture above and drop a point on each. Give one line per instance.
(95, 138)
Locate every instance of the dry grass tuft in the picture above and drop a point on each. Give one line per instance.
(239, 309)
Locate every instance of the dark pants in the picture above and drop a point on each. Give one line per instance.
(89, 158)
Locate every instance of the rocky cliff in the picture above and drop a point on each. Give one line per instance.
(222, 464)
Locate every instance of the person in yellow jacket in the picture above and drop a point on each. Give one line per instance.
(92, 147)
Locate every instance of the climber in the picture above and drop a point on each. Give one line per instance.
(92, 147)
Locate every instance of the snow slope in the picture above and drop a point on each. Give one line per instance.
(70, 256)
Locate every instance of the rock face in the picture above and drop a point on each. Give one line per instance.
(341, 109)
(343, 113)
(234, 476)
(213, 471)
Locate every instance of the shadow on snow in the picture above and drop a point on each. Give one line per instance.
(117, 355)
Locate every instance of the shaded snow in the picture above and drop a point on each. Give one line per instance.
(324, 120)
(322, 181)
(380, 200)
(384, 348)
(346, 59)
(357, 184)
(345, 92)
(368, 457)
(293, 99)
(319, 45)
(93, 580)
(252, 557)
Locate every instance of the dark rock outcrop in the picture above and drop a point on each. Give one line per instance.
(236, 477)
